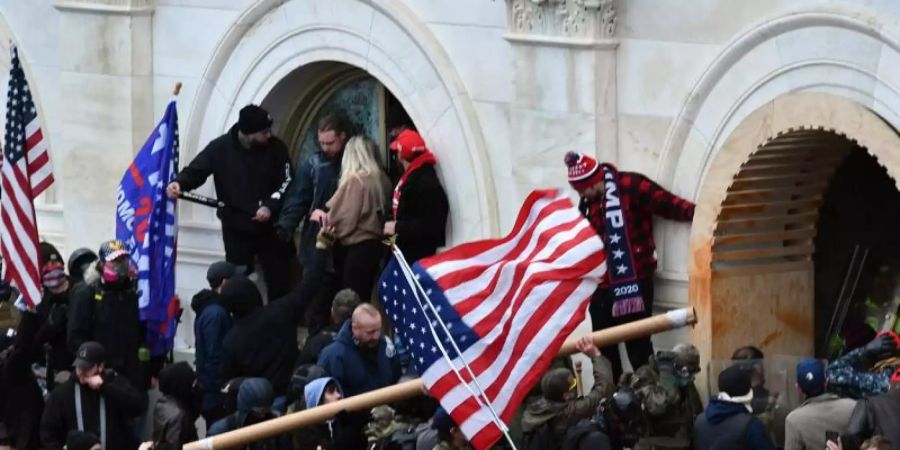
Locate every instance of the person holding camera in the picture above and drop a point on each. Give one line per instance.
(356, 216)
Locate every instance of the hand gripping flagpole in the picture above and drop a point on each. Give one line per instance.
(481, 397)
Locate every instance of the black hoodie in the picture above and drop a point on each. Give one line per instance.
(175, 413)
(263, 340)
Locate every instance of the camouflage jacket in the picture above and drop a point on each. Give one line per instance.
(847, 377)
(669, 409)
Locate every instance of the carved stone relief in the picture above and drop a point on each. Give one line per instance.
(592, 19)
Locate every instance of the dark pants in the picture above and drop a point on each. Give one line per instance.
(639, 350)
(359, 266)
(275, 255)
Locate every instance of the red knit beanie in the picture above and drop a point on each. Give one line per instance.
(584, 171)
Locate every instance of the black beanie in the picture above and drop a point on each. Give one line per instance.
(735, 380)
(253, 119)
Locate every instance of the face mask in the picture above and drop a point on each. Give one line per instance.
(53, 277)
(117, 273)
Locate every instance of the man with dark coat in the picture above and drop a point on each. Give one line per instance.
(419, 203)
(106, 311)
(822, 411)
(559, 407)
(53, 313)
(314, 184)
(175, 413)
(94, 399)
(263, 340)
(877, 415)
(361, 360)
(620, 207)
(210, 328)
(21, 399)
(727, 421)
(251, 172)
(341, 309)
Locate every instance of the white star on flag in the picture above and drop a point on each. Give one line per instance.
(618, 254)
(620, 269)
(614, 238)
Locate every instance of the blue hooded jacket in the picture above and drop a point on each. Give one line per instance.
(756, 439)
(359, 370)
(313, 391)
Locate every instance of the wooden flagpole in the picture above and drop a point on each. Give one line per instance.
(640, 328)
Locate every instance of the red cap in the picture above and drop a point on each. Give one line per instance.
(895, 378)
(407, 144)
(893, 335)
(584, 171)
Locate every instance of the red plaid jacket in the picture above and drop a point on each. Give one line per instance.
(641, 198)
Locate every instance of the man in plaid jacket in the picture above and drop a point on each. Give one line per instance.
(640, 198)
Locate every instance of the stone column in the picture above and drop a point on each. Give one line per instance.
(565, 85)
(107, 107)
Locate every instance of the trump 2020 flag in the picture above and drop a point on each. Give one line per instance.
(145, 220)
(508, 305)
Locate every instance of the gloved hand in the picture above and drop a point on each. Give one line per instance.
(882, 347)
(283, 234)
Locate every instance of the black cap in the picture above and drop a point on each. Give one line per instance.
(219, 271)
(253, 119)
(89, 355)
(735, 380)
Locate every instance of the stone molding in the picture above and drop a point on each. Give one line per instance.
(127, 7)
(583, 23)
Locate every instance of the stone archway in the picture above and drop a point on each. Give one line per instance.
(387, 40)
(751, 273)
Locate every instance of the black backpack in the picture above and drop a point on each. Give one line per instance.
(586, 434)
(540, 439)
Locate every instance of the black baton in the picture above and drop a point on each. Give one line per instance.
(201, 200)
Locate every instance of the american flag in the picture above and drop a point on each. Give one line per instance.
(508, 304)
(26, 173)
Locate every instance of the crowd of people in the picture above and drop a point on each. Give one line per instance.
(75, 372)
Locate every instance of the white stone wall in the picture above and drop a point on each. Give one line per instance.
(499, 106)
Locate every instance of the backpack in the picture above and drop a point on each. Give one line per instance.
(540, 439)
(585, 435)
(399, 440)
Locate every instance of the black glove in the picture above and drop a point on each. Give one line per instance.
(283, 234)
(881, 347)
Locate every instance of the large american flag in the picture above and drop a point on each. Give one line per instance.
(508, 304)
(26, 173)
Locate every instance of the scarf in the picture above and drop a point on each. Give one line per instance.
(623, 281)
(425, 158)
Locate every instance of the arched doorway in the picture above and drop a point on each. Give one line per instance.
(311, 91)
(766, 196)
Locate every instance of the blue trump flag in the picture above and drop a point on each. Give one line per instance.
(146, 221)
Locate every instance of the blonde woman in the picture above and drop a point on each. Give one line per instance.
(356, 216)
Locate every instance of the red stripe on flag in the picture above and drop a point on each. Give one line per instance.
(467, 274)
(470, 249)
(33, 140)
(466, 306)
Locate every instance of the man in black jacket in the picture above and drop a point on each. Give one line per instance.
(106, 311)
(341, 309)
(876, 415)
(419, 203)
(21, 399)
(251, 172)
(53, 314)
(263, 340)
(94, 399)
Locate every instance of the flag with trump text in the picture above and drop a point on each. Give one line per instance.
(26, 173)
(145, 220)
(498, 310)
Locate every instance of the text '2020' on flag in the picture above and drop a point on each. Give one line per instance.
(145, 220)
(26, 173)
(508, 305)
